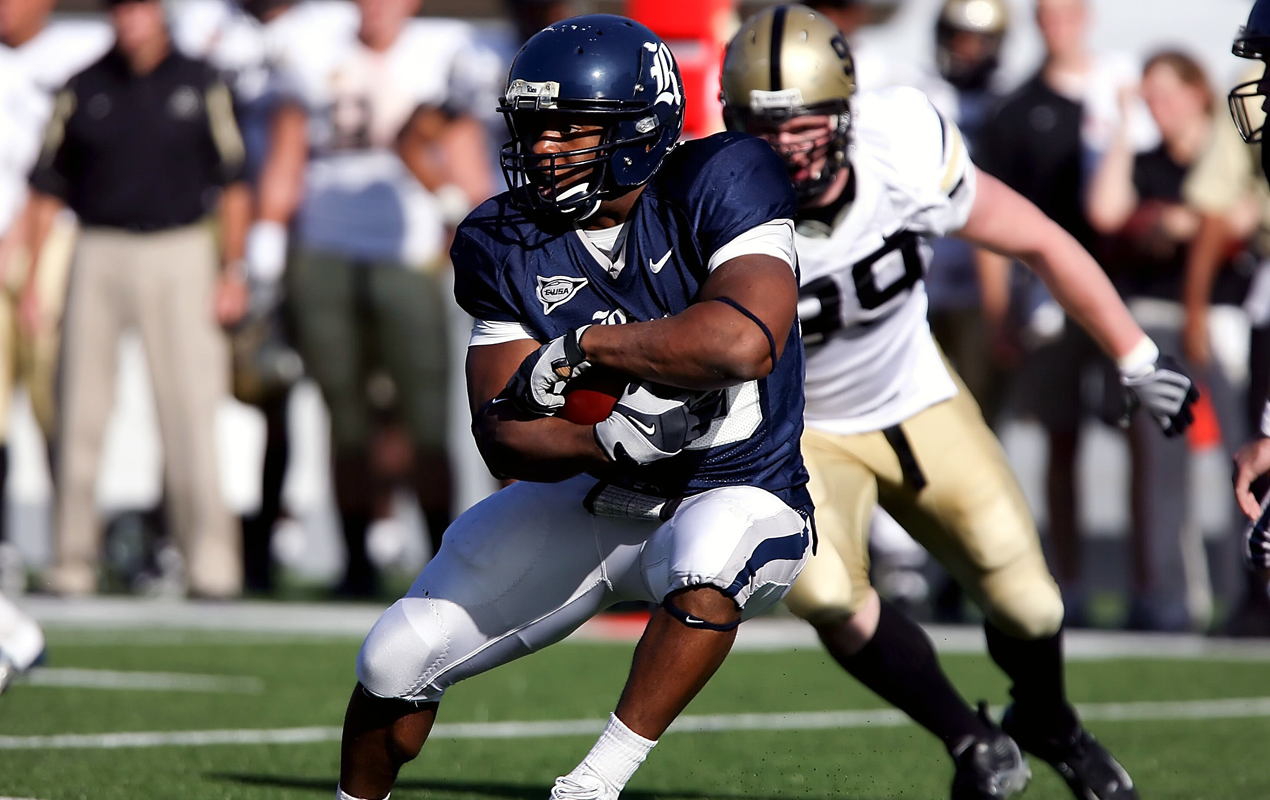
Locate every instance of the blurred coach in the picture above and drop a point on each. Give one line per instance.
(142, 145)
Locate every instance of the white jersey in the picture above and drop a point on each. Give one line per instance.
(871, 361)
(247, 50)
(33, 72)
(360, 199)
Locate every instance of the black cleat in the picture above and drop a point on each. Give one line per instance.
(989, 768)
(1090, 771)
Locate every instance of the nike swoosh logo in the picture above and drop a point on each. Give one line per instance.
(691, 620)
(656, 266)
(648, 429)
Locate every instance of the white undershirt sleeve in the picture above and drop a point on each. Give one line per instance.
(774, 238)
(485, 332)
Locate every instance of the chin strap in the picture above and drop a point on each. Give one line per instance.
(697, 622)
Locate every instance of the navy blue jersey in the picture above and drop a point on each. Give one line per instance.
(708, 192)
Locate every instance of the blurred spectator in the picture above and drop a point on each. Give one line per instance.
(1138, 199)
(359, 157)
(876, 66)
(249, 43)
(138, 144)
(1226, 186)
(968, 38)
(1043, 141)
(37, 59)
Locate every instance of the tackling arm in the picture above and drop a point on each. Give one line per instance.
(1005, 222)
(711, 344)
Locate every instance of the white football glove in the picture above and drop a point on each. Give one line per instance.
(651, 422)
(1166, 391)
(539, 383)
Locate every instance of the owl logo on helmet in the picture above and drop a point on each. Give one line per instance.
(606, 72)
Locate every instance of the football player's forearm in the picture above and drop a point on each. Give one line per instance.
(1204, 262)
(282, 179)
(1007, 223)
(235, 218)
(544, 450)
(38, 218)
(1083, 290)
(707, 346)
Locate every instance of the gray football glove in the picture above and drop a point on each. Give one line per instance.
(650, 422)
(1166, 391)
(539, 382)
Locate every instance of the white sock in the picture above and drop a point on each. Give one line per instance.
(340, 794)
(617, 754)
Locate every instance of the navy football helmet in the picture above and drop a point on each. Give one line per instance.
(1247, 99)
(599, 70)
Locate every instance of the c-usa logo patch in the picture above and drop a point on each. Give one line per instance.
(556, 290)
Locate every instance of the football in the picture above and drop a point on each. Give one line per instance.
(591, 397)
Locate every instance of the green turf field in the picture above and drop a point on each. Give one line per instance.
(304, 684)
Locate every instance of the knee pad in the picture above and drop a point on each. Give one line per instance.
(1024, 603)
(402, 654)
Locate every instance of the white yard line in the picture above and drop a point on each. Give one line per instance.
(156, 623)
(144, 681)
(1235, 708)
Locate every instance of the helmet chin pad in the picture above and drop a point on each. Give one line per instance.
(589, 202)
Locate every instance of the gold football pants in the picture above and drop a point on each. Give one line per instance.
(970, 515)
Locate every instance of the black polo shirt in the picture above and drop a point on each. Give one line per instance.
(1033, 144)
(141, 152)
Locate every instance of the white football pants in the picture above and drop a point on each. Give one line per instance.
(525, 567)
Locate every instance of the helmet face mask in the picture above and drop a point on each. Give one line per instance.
(572, 177)
(1248, 99)
(786, 63)
(597, 77)
(811, 140)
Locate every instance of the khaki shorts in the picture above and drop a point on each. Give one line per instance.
(971, 515)
(351, 317)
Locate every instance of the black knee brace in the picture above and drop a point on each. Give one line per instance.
(697, 622)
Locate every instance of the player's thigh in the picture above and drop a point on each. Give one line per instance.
(972, 516)
(517, 572)
(741, 540)
(844, 490)
(324, 308)
(412, 336)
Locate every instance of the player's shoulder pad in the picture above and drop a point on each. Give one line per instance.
(483, 251)
(697, 169)
(900, 131)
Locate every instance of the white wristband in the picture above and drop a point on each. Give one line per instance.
(1143, 355)
(266, 252)
(1265, 420)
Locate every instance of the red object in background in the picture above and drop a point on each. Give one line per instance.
(696, 32)
(591, 397)
(1205, 431)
